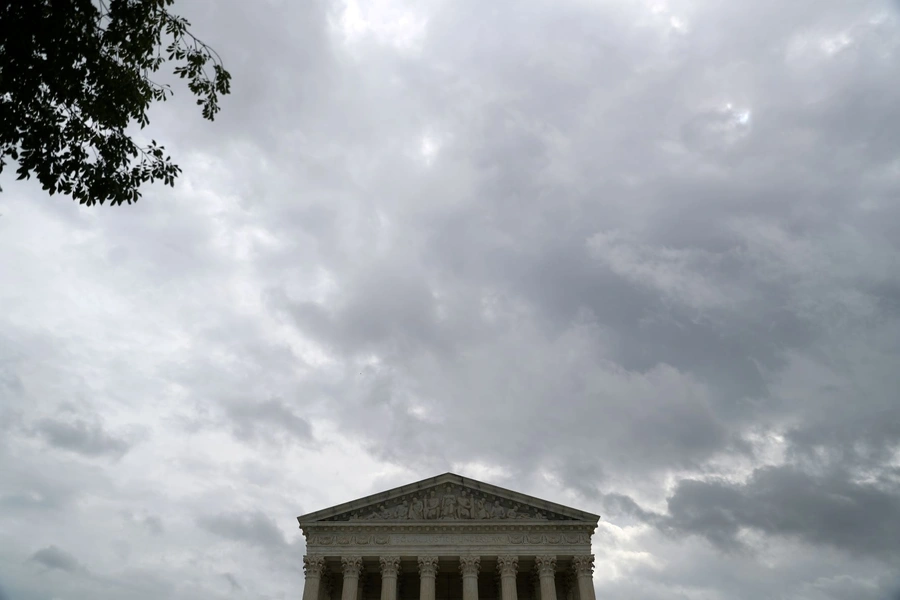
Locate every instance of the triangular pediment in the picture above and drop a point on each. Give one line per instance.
(448, 497)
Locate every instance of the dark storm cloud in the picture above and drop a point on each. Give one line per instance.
(257, 420)
(47, 485)
(860, 518)
(691, 288)
(740, 258)
(690, 568)
(233, 582)
(256, 529)
(154, 524)
(54, 558)
(831, 509)
(270, 57)
(89, 439)
(654, 245)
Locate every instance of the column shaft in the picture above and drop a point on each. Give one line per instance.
(584, 571)
(546, 566)
(468, 566)
(361, 585)
(570, 585)
(351, 566)
(390, 565)
(313, 566)
(428, 567)
(508, 566)
(325, 586)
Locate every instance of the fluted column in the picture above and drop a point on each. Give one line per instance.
(584, 572)
(313, 566)
(428, 568)
(351, 565)
(325, 587)
(361, 584)
(389, 567)
(546, 568)
(468, 567)
(570, 586)
(508, 566)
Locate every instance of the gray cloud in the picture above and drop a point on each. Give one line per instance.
(636, 258)
(861, 518)
(255, 421)
(154, 524)
(54, 558)
(233, 582)
(81, 437)
(251, 528)
(45, 485)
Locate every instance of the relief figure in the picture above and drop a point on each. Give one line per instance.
(416, 509)
(448, 507)
(432, 506)
(463, 506)
(480, 511)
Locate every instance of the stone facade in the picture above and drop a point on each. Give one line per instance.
(448, 538)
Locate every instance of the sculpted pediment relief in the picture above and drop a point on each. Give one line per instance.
(449, 502)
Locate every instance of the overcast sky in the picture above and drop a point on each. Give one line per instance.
(640, 257)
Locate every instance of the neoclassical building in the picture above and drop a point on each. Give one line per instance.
(448, 538)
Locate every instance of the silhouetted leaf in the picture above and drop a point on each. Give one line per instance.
(76, 74)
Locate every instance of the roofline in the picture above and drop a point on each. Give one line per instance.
(442, 479)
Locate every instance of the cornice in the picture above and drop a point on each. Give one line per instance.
(448, 478)
(446, 527)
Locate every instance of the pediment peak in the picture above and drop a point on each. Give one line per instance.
(448, 498)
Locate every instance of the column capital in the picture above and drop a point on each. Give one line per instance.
(469, 565)
(545, 565)
(351, 565)
(313, 566)
(508, 565)
(583, 565)
(389, 565)
(428, 566)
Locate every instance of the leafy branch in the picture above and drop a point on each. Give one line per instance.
(74, 74)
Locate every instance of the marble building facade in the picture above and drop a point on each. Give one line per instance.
(448, 538)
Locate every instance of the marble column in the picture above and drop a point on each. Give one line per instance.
(508, 566)
(389, 567)
(351, 565)
(468, 567)
(584, 571)
(570, 586)
(546, 568)
(536, 585)
(361, 584)
(326, 586)
(428, 568)
(313, 567)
